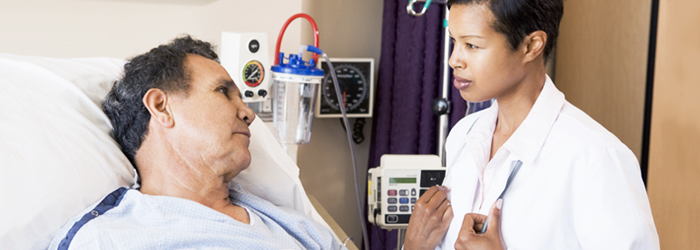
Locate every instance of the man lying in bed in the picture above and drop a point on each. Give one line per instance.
(180, 120)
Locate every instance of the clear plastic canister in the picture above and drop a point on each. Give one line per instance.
(293, 104)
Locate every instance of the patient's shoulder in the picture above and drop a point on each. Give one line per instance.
(241, 196)
(77, 225)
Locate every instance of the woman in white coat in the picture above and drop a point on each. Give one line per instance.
(575, 186)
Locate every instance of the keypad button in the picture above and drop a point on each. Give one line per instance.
(403, 208)
(413, 192)
(413, 200)
(411, 208)
(391, 192)
(403, 192)
(403, 200)
(391, 200)
(391, 208)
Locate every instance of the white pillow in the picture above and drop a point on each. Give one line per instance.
(57, 158)
(56, 155)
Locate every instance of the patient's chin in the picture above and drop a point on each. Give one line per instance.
(241, 161)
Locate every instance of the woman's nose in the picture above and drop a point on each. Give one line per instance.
(456, 61)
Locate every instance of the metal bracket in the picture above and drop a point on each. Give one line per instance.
(411, 11)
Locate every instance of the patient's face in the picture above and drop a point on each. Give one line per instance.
(211, 130)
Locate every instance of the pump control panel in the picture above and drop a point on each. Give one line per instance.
(395, 186)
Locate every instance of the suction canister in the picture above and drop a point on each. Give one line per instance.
(294, 89)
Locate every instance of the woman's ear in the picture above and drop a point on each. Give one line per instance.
(156, 102)
(534, 44)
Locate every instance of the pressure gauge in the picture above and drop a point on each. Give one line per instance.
(253, 73)
(356, 81)
(354, 88)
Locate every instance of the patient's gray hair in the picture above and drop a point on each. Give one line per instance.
(162, 68)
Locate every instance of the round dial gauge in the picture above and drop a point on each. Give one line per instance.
(353, 87)
(253, 73)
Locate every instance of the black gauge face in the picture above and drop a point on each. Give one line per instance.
(354, 90)
(253, 73)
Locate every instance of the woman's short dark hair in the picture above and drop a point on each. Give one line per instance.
(162, 68)
(518, 18)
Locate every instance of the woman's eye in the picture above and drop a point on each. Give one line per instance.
(471, 46)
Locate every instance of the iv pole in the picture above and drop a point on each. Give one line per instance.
(443, 112)
(441, 106)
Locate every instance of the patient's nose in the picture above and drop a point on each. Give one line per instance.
(246, 114)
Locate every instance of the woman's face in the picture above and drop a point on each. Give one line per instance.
(485, 66)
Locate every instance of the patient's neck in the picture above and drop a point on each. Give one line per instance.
(162, 172)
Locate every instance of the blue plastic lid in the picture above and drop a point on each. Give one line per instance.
(296, 65)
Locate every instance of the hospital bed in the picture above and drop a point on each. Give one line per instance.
(57, 158)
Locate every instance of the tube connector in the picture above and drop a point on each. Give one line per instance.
(310, 48)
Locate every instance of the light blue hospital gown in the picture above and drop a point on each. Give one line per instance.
(128, 219)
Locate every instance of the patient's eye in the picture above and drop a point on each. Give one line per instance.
(223, 90)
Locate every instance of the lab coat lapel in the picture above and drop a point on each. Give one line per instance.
(499, 184)
(526, 142)
(465, 185)
(465, 170)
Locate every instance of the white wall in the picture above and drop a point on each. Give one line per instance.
(347, 28)
(125, 28)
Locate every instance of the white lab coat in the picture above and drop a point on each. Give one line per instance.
(579, 187)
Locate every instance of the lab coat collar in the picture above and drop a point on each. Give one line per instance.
(479, 139)
(526, 142)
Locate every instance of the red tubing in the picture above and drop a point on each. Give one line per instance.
(284, 28)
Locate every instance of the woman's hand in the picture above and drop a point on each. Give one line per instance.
(430, 219)
(491, 240)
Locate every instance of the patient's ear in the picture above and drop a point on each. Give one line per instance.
(156, 102)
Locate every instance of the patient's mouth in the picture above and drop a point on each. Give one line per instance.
(247, 134)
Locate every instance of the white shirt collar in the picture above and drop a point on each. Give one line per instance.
(528, 138)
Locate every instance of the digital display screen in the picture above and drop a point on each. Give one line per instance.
(403, 180)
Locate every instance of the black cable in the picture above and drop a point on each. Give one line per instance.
(649, 95)
(342, 123)
(376, 211)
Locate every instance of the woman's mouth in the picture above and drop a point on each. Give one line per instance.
(461, 83)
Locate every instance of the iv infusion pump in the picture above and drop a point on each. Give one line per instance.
(394, 187)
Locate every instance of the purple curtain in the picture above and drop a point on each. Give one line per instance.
(409, 79)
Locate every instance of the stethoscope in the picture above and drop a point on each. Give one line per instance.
(514, 172)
